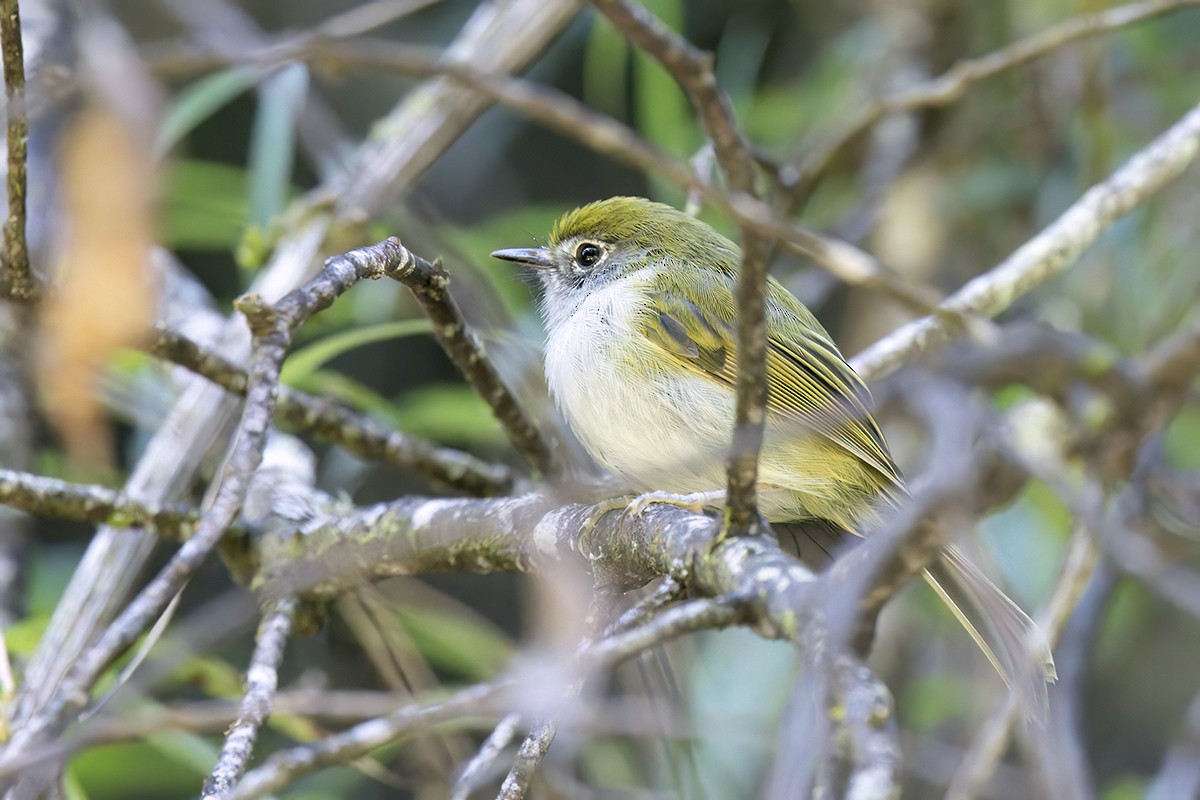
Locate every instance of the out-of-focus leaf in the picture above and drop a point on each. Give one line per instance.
(605, 69)
(451, 413)
(304, 362)
(21, 637)
(456, 643)
(927, 703)
(205, 205)
(145, 769)
(201, 100)
(349, 391)
(211, 675)
(273, 141)
(663, 113)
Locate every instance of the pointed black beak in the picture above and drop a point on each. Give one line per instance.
(538, 257)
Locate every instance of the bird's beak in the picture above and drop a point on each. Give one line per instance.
(538, 257)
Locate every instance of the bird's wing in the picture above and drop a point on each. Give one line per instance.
(804, 368)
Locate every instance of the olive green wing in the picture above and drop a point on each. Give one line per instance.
(804, 368)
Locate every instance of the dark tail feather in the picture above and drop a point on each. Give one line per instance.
(1012, 641)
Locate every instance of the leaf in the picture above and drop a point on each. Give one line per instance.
(273, 141)
(199, 101)
(301, 365)
(205, 206)
(450, 413)
(455, 643)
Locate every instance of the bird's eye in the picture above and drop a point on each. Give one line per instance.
(587, 254)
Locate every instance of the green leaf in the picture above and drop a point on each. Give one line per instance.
(205, 205)
(450, 413)
(458, 644)
(346, 390)
(302, 364)
(273, 141)
(201, 100)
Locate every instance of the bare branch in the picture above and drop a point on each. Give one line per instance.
(359, 433)
(529, 757)
(1049, 253)
(484, 760)
(262, 678)
(952, 85)
(693, 71)
(272, 328)
(430, 284)
(16, 278)
(50, 497)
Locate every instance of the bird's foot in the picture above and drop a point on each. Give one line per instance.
(636, 505)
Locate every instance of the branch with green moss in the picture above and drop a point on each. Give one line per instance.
(57, 499)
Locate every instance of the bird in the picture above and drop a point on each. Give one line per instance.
(638, 303)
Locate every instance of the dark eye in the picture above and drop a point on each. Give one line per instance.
(587, 254)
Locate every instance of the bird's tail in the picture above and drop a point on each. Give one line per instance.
(1012, 641)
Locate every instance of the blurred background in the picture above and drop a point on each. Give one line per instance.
(939, 196)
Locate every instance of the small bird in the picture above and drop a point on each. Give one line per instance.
(641, 359)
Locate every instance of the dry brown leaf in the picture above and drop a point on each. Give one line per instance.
(102, 297)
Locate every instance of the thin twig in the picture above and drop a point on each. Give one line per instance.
(1049, 253)
(359, 433)
(272, 328)
(286, 766)
(953, 84)
(559, 112)
(16, 279)
(530, 754)
(693, 71)
(430, 284)
(485, 759)
(50, 497)
(262, 679)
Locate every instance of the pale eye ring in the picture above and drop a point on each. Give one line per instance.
(588, 254)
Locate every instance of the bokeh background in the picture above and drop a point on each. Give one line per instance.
(940, 196)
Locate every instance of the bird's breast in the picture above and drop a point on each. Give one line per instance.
(639, 414)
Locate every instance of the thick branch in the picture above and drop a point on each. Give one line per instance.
(1047, 254)
(330, 422)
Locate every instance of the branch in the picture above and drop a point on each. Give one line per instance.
(50, 497)
(272, 328)
(16, 278)
(563, 114)
(262, 678)
(359, 433)
(530, 754)
(430, 284)
(1049, 253)
(483, 761)
(286, 766)
(693, 71)
(953, 84)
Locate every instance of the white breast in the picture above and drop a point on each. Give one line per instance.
(660, 431)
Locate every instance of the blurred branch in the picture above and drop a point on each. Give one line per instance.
(529, 757)
(272, 328)
(563, 114)
(1179, 775)
(1048, 253)
(284, 767)
(430, 284)
(359, 433)
(954, 83)
(17, 281)
(484, 760)
(50, 497)
(262, 678)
